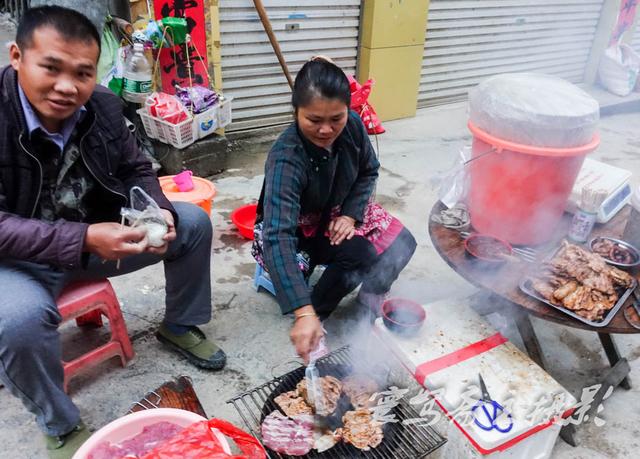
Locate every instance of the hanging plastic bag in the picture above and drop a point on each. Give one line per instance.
(453, 184)
(360, 104)
(176, 29)
(145, 213)
(198, 441)
(111, 61)
(115, 76)
(108, 51)
(619, 69)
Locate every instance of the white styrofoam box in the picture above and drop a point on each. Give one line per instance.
(535, 447)
(207, 121)
(224, 112)
(453, 347)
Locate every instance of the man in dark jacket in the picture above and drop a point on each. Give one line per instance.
(67, 165)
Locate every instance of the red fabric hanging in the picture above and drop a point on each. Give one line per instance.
(359, 103)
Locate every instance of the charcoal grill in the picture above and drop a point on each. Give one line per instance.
(400, 441)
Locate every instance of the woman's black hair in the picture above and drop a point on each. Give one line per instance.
(320, 78)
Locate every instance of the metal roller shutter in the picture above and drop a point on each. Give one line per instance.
(250, 69)
(467, 41)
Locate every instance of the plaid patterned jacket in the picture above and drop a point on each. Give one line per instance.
(302, 179)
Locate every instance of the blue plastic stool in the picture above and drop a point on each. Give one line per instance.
(261, 279)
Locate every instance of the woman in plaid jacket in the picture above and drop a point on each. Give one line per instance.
(316, 208)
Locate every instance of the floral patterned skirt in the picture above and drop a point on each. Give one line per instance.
(378, 226)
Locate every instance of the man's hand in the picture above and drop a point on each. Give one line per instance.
(170, 236)
(341, 228)
(112, 241)
(306, 331)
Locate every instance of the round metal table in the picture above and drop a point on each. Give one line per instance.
(504, 280)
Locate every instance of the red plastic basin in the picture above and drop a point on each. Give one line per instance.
(244, 218)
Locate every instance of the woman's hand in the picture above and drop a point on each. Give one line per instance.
(341, 228)
(306, 331)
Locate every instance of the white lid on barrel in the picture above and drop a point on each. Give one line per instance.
(534, 109)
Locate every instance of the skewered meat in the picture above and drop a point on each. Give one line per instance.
(581, 281)
(359, 388)
(292, 404)
(288, 436)
(361, 430)
(331, 390)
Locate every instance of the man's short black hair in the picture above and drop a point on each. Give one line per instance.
(69, 23)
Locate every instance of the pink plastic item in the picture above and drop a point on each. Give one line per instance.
(133, 424)
(87, 302)
(183, 181)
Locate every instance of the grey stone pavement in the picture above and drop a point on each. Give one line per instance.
(255, 336)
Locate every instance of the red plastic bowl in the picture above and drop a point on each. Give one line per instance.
(244, 218)
(473, 247)
(401, 316)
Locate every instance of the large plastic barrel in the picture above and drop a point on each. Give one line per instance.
(531, 133)
(519, 192)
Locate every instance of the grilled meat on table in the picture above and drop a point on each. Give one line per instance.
(581, 281)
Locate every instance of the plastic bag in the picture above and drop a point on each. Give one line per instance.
(453, 184)
(199, 442)
(619, 69)
(360, 104)
(197, 98)
(534, 109)
(111, 62)
(166, 107)
(145, 213)
(109, 52)
(176, 29)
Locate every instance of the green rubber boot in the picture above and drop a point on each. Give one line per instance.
(195, 346)
(65, 446)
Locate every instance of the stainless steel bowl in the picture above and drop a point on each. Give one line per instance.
(634, 252)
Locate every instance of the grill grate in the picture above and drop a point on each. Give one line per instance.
(400, 441)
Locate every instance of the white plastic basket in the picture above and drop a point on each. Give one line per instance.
(179, 135)
(224, 112)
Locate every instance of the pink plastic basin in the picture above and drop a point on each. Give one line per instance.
(132, 424)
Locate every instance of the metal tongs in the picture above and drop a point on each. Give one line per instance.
(314, 385)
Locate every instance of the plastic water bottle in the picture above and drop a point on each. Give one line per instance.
(137, 76)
